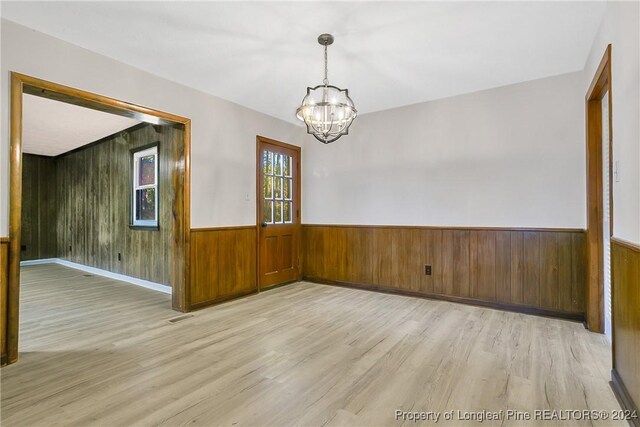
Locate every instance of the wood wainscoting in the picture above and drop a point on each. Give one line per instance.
(223, 264)
(625, 284)
(4, 282)
(539, 271)
(38, 239)
(93, 204)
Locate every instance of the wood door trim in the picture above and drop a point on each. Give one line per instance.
(600, 84)
(278, 143)
(46, 89)
(259, 141)
(444, 227)
(23, 84)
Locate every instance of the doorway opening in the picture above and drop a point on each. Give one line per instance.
(599, 198)
(278, 212)
(153, 124)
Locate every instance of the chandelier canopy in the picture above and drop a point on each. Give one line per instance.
(327, 110)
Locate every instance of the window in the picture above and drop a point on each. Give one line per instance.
(277, 188)
(145, 187)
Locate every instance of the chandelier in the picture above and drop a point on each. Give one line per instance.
(327, 110)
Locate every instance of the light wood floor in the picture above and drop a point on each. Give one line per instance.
(100, 352)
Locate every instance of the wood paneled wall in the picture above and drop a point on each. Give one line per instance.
(626, 322)
(94, 190)
(39, 212)
(537, 269)
(76, 206)
(223, 264)
(4, 282)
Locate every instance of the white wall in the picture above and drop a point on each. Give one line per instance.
(621, 28)
(512, 157)
(223, 143)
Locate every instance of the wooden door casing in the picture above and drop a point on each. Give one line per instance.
(181, 182)
(600, 86)
(278, 242)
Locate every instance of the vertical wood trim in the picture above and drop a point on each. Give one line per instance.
(4, 280)
(503, 266)
(461, 262)
(473, 263)
(549, 281)
(578, 271)
(564, 284)
(15, 202)
(182, 224)
(531, 251)
(600, 84)
(517, 267)
(447, 263)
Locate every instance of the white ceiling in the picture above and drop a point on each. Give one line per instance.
(263, 55)
(50, 128)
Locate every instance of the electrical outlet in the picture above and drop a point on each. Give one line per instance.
(427, 270)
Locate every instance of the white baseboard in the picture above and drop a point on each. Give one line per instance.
(39, 261)
(139, 282)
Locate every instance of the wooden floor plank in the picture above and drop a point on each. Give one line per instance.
(95, 351)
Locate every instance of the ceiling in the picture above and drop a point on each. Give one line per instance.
(50, 128)
(263, 55)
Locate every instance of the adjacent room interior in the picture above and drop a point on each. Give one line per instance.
(77, 180)
(319, 213)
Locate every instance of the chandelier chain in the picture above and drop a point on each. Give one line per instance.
(326, 67)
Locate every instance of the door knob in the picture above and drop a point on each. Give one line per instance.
(264, 224)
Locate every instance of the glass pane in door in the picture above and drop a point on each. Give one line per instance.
(277, 188)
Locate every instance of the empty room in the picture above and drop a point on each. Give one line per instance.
(318, 213)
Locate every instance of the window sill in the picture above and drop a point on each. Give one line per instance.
(144, 227)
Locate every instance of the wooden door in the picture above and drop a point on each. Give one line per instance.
(278, 206)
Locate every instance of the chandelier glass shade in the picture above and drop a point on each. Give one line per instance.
(327, 110)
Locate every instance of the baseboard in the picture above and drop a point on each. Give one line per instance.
(99, 272)
(578, 317)
(238, 295)
(624, 398)
(216, 301)
(39, 261)
(278, 285)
